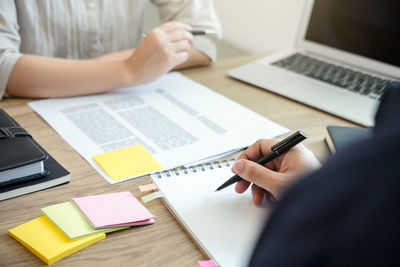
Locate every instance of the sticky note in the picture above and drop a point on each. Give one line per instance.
(147, 187)
(152, 196)
(127, 162)
(207, 263)
(113, 210)
(47, 242)
(68, 218)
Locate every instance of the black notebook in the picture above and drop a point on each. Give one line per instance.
(339, 137)
(21, 158)
(57, 175)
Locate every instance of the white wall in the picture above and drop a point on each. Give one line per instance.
(259, 26)
(253, 26)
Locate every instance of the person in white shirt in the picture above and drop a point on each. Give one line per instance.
(73, 47)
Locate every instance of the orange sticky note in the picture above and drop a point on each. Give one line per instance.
(127, 162)
(147, 187)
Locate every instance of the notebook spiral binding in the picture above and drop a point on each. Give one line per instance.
(196, 168)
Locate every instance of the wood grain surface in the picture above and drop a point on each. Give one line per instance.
(164, 243)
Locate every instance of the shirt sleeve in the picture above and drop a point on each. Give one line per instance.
(9, 42)
(200, 14)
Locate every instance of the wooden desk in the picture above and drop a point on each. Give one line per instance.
(165, 243)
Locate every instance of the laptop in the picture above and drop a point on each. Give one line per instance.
(346, 52)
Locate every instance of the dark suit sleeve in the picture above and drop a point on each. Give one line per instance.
(347, 213)
(298, 228)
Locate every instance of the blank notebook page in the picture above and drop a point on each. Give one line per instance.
(225, 224)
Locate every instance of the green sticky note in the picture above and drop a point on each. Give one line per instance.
(68, 218)
(127, 162)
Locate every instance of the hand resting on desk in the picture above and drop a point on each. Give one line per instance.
(277, 175)
(164, 48)
(160, 51)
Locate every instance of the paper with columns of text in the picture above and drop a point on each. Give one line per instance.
(177, 120)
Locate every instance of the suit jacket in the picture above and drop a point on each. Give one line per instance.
(348, 212)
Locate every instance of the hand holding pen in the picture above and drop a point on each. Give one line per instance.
(193, 32)
(272, 178)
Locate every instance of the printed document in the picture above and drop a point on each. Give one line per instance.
(178, 121)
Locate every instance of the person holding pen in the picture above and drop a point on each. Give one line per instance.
(273, 179)
(344, 213)
(74, 47)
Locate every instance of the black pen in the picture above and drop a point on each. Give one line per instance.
(276, 150)
(194, 32)
(202, 32)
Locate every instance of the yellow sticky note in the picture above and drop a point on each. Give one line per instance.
(127, 162)
(47, 242)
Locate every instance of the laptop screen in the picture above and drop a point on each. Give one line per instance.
(369, 28)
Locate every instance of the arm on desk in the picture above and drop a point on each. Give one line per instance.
(195, 59)
(164, 48)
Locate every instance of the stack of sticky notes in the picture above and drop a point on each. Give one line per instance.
(47, 242)
(113, 210)
(70, 226)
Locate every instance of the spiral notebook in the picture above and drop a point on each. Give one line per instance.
(225, 225)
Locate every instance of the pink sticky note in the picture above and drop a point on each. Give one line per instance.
(113, 210)
(208, 263)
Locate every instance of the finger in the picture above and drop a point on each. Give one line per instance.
(180, 35)
(269, 197)
(181, 46)
(258, 149)
(242, 186)
(173, 25)
(255, 173)
(258, 194)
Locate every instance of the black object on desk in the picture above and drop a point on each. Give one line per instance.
(21, 158)
(56, 175)
(276, 150)
(339, 137)
(25, 167)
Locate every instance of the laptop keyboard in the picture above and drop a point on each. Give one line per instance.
(355, 81)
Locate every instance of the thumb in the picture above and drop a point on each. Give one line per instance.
(256, 173)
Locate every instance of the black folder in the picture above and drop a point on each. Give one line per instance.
(57, 175)
(21, 157)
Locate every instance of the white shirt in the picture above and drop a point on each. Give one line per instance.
(82, 29)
